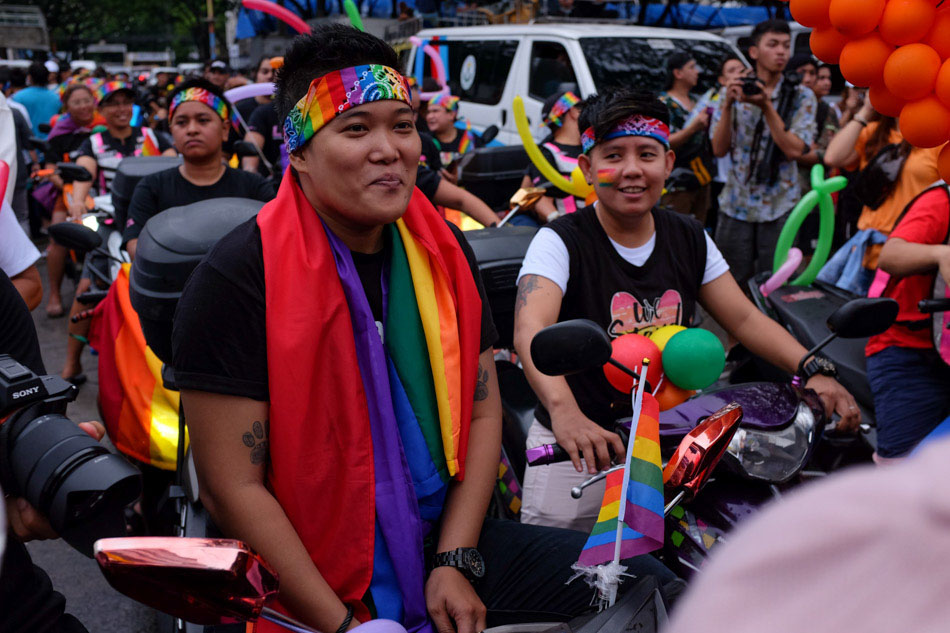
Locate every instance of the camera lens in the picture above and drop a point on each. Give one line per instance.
(70, 478)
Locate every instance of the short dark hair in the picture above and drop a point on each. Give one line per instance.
(17, 78)
(38, 74)
(676, 61)
(726, 60)
(800, 61)
(329, 47)
(76, 86)
(769, 26)
(201, 82)
(603, 112)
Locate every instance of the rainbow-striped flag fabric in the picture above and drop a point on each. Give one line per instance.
(643, 505)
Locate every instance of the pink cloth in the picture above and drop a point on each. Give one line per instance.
(866, 550)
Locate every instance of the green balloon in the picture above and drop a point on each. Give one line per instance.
(693, 359)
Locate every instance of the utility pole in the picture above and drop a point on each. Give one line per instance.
(211, 28)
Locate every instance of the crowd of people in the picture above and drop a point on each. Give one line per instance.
(395, 341)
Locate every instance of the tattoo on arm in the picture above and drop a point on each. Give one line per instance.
(528, 284)
(256, 440)
(481, 387)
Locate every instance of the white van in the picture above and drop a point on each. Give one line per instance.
(489, 65)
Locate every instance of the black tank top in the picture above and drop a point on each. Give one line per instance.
(623, 298)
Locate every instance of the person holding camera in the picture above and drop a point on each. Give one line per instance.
(765, 124)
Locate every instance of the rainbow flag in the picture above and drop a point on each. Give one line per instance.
(149, 148)
(140, 415)
(643, 505)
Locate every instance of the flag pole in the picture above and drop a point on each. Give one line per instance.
(637, 402)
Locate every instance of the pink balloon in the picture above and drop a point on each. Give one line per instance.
(284, 15)
(782, 274)
(240, 93)
(433, 54)
(4, 175)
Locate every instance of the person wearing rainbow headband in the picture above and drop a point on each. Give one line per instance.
(450, 142)
(336, 366)
(631, 267)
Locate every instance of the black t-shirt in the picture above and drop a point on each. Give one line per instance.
(443, 154)
(264, 122)
(428, 181)
(65, 146)
(219, 337)
(126, 146)
(166, 189)
(572, 151)
(246, 108)
(623, 298)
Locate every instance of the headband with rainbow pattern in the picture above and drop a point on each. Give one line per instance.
(213, 101)
(637, 125)
(561, 107)
(447, 101)
(107, 89)
(338, 91)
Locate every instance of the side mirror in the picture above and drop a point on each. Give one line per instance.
(699, 452)
(204, 581)
(71, 172)
(245, 148)
(489, 134)
(75, 236)
(861, 318)
(570, 348)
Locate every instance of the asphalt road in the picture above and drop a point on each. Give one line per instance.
(88, 596)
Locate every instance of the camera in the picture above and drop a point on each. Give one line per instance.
(751, 86)
(69, 477)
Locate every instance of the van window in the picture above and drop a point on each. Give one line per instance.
(478, 69)
(641, 62)
(551, 70)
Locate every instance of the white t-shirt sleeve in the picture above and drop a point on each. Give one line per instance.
(17, 252)
(8, 149)
(716, 265)
(547, 257)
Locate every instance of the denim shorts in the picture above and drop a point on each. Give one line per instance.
(911, 390)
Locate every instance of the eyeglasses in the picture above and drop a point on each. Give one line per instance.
(113, 103)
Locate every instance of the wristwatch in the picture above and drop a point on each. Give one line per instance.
(465, 559)
(820, 365)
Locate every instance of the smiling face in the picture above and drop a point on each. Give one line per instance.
(198, 131)
(117, 110)
(439, 119)
(81, 106)
(359, 170)
(630, 172)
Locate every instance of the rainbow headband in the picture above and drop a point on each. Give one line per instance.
(561, 107)
(213, 101)
(337, 92)
(450, 103)
(637, 125)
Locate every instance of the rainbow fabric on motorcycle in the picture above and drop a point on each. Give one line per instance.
(213, 101)
(449, 102)
(643, 507)
(140, 415)
(561, 107)
(391, 414)
(105, 90)
(637, 125)
(338, 91)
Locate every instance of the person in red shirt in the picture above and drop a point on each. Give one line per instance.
(909, 380)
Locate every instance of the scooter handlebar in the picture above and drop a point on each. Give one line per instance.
(929, 306)
(546, 454)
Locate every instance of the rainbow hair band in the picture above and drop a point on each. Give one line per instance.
(637, 125)
(213, 101)
(450, 103)
(561, 107)
(338, 91)
(107, 89)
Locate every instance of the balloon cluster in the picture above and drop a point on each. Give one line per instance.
(682, 360)
(899, 49)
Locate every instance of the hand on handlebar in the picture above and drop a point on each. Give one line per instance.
(836, 400)
(76, 209)
(576, 433)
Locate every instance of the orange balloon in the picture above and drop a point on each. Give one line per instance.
(884, 101)
(939, 36)
(862, 60)
(907, 21)
(813, 13)
(925, 122)
(827, 44)
(856, 17)
(911, 71)
(942, 89)
(943, 166)
(670, 395)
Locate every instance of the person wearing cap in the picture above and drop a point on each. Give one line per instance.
(559, 114)
(630, 266)
(334, 355)
(450, 141)
(217, 72)
(41, 102)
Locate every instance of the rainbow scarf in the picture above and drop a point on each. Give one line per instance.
(636, 125)
(338, 91)
(643, 503)
(392, 415)
(221, 107)
(561, 107)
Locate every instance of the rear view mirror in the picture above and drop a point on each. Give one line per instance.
(489, 134)
(75, 236)
(570, 347)
(200, 580)
(700, 451)
(861, 318)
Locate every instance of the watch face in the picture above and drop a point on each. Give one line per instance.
(826, 366)
(475, 563)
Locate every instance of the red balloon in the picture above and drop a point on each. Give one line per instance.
(862, 60)
(943, 164)
(630, 350)
(906, 21)
(856, 17)
(284, 15)
(813, 13)
(925, 123)
(911, 71)
(942, 89)
(939, 36)
(884, 101)
(827, 44)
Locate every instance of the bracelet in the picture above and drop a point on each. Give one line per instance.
(347, 620)
(859, 121)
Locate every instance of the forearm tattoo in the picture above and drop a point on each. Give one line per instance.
(481, 387)
(256, 440)
(528, 284)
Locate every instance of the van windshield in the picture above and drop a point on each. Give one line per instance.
(641, 62)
